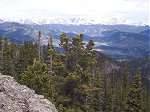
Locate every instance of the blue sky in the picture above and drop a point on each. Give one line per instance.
(129, 10)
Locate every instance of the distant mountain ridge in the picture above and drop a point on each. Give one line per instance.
(118, 41)
(72, 21)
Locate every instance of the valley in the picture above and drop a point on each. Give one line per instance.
(121, 42)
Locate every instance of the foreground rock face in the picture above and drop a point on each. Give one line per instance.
(19, 98)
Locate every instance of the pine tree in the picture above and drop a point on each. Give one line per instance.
(79, 62)
(98, 92)
(124, 88)
(146, 101)
(65, 42)
(7, 55)
(134, 101)
(28, 52)
(36, 77)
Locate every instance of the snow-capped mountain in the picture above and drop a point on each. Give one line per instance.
(65, 21)
(54, 20)
(72, 21)
(1, 20)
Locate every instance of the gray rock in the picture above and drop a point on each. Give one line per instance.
(19, 98)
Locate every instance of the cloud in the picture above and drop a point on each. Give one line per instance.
(96, 9)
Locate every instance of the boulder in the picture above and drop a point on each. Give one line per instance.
(19, 98)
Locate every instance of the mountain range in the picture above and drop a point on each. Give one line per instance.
(72, 21)
(119, 41)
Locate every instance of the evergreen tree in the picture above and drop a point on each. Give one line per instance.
(7, 58)
(146, 101)
(135, 101)
(98, 92)
(36, 77)
(124, 88)
(28, 52)
(79, 61)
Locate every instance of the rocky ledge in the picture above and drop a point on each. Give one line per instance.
(19, 98)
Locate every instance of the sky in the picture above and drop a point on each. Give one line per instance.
(129, 10)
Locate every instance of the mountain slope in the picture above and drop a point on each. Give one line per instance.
(123, 45)
(16, 31)
(108, 66)
(144, 65)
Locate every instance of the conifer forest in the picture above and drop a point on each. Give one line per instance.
(76, 78)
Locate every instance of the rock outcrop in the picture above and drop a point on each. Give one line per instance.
(19, 98)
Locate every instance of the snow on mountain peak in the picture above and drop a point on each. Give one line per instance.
(71, 21)
(53, 20)
(66, 21)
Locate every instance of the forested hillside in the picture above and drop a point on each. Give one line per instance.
(78, 80)
(144, 65)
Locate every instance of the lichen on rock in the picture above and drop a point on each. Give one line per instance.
(19, 98)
